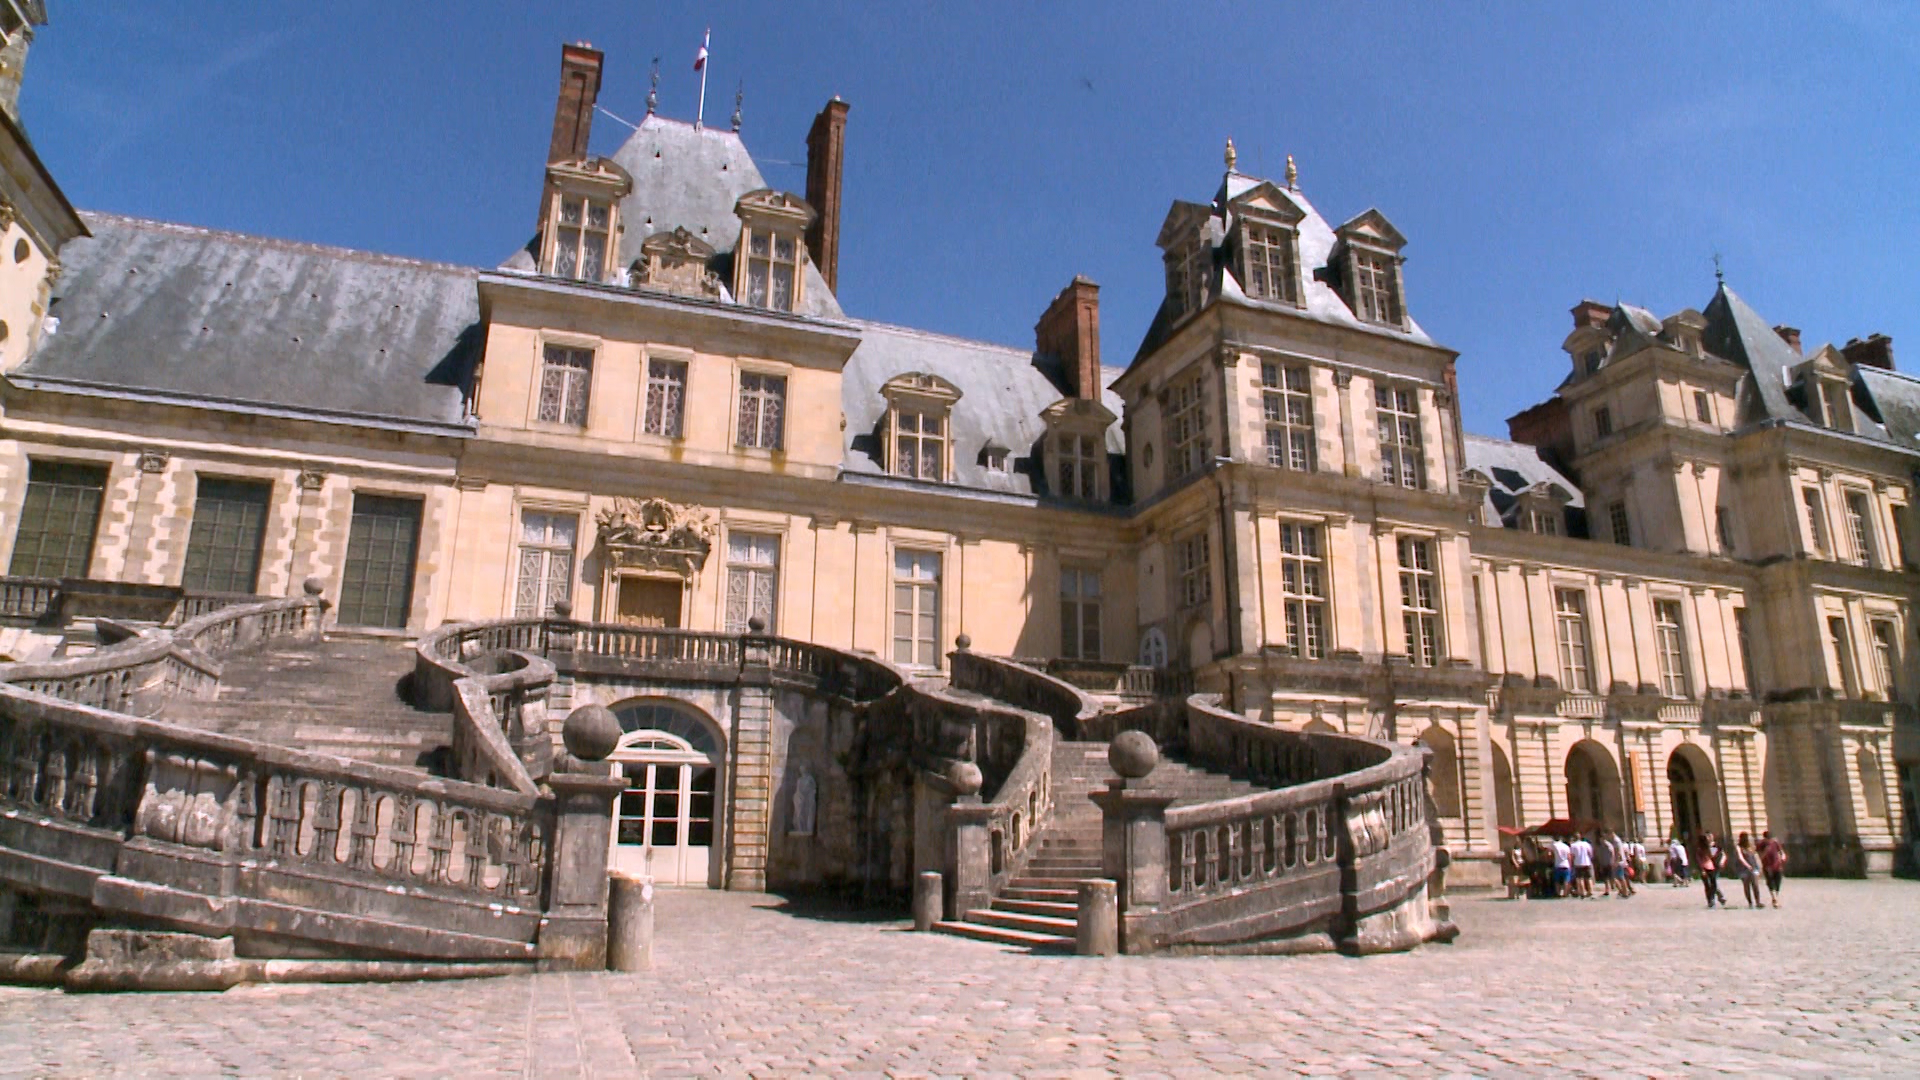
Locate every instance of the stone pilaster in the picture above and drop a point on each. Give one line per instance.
(751, 799)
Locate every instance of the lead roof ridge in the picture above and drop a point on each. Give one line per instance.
(282, 243)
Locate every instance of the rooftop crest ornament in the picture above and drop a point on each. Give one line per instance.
(1232, 155)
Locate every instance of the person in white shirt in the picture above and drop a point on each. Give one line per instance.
(1581, 854)
(1562, 867)
(1677, 862)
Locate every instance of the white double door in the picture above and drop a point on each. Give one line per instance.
(663, 826)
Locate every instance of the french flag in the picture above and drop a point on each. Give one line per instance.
(700, 58)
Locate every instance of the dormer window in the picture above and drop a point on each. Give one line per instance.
(919, 445)
(1367, 259)
(770, 261)
(1267, 265)
(582, 235)
(1186, 241)
(1077, 448)
(1834, 406)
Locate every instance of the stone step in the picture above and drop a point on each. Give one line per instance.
(1041, 865)
(1003, 935)
(1016, 920)
(1058, 909)
(1027, 892)
(1070, 882)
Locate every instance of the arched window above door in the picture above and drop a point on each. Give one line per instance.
(661, 725)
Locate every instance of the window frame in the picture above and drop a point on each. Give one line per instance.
(202, 549)
(760, 394)
(1703, 406)
(1670, 648)
(1573, 636)
(1305, 576)
(1260, 242)
(1401, 460)
(1081, 609)
(920, 590)
(669, 420)
(71, 539)
(1079, 459)
(1420, 611)
(1620, 523)
(582, 229)
(1602, 423)
(1376, 286)
(1840, 642)
(1860, 532)
(1813, 505)
(921, 433)
(747, 567)
(576, 384)
(1288, 414)
(771, 261)
(1184, 421)
(1193, 568)
(1886, 653)
(547, 549)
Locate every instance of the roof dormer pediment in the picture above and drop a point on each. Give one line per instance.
(766, 204)
(1372, 229)
(1078, 413)
(920, 386)
(1266, 200)
(1185, 219)
(595, 172)
(677, 244)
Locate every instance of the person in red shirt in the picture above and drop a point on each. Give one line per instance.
(1773, 862)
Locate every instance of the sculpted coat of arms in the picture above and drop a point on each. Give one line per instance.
(654, 534)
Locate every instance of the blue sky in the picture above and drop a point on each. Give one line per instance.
(1532, 154)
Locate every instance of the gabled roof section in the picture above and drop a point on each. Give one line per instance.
(1267, 200)
(1895, 399)
(1738, 333)
(1516, 470)
(244, 322)
(1181, 223)
(1372, 227)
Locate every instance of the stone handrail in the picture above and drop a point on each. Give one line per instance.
(1338, 856)
(27, 597)
(501, 735)
(1025, 687)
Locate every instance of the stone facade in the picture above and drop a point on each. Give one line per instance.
(1274, 500)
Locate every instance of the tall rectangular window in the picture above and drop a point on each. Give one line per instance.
(1287, 396)
(1570, 618)
(753, 579)
(1079, 614)
(919, 445)
(1267, 257)
(1303, 590)
(1618, 523)
(666, 398)
(377, 587)
(1746, 649)
(546, 562)
(1702, 407)
(1401, 459)
(1670, 642)
(1843, 656)
(1900, 557)
(1886, 657)
(1077, 461)
(58, 519)
(580, 239)
(223, 544)
(1723, 529)
(1183, 405)
(916, 608)
(763, 408)
(1419, 601)
(1602, 422)
(1192, 563)
(566, 375)
(1816, 508)
(1859, 527)
(772, 268)
(1374, 292)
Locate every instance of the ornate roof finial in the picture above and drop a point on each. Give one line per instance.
(1293, 175)
(1232, 155)
(653, 93)
(1719, 272)
(739, 93)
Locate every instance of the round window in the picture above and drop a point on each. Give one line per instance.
(20, 250)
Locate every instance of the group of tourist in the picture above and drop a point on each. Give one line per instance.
(1571, 867)
(1748, 861)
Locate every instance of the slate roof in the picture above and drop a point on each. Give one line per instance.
(1320, 302)
(245, 322)
(690, 177)
(1002, 392)
(1513, 467)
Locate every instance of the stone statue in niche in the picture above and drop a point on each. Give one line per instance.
(806, 797)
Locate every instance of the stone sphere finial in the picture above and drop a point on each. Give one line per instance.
(756, 625)
(591, 732)
(963, 642)
(965, 777)
(313, 586)
(1133, 754)
(563, 609)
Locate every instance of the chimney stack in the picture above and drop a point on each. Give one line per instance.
(573, 112)
(1590, 313)
(1070, 332)
(1875, 352)
(826, 149)
(1790, 335)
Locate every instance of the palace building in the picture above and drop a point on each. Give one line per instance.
(1678, 598)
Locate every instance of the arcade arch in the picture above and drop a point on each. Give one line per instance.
(1593, 786)
(1693, 793)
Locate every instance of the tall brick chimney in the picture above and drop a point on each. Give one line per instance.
(1790, 335)
(1070, 332)
(573, 112)
(826, 149)
(1590, 313)
(1875, 352)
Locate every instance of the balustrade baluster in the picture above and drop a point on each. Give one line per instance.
(326, 824)
(283, 815)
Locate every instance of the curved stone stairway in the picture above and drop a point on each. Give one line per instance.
(1038, 909)
(342, 695)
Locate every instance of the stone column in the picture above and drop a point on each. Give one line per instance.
(971, 860)
(1134, 838)
(573, 935)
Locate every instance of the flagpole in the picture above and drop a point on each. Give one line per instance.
(700, 114)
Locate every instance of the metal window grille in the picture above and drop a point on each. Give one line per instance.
(565, 378)
(377, 587)
(547, 543)
(58, 519)
(753, 579)
(763, 406)
(223, 544)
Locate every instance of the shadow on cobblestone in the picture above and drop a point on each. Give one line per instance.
(841, 908)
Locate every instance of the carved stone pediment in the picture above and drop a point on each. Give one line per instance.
(654, 534)
(676, 261)
(779, 205)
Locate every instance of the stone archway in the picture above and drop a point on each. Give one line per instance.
(1443, 774)
(1593, 785)
(1693, 793)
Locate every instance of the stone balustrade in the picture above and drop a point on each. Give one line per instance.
(27, 597)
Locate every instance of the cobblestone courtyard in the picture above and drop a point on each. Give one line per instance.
(1657, 985)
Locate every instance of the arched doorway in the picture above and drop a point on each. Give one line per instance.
(1506, 808)
(1693, 793)
(664, 824)
(1593, 785)
(1443, 774)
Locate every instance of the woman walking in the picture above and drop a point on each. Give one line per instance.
(1747, 862)
(1708, 859)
